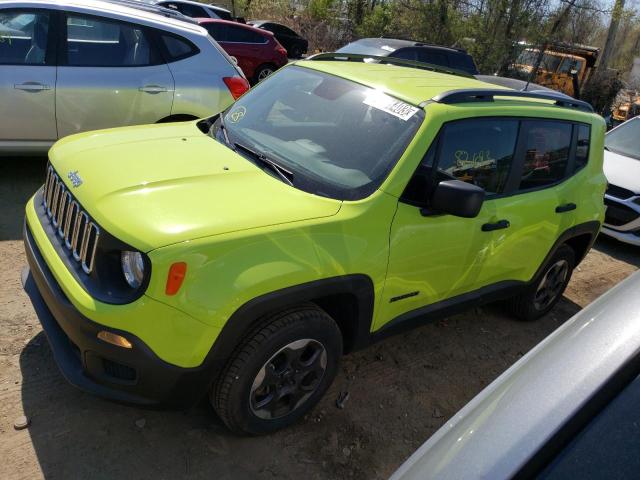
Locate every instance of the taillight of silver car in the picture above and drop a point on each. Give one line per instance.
(236, 85)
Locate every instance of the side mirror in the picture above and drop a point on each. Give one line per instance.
(457, 198)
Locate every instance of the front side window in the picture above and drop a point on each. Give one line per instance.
(478, 151)
(97, 42)
(23, 37)
(338, 138)
(625, 139)
(547, 146)
(550, 62)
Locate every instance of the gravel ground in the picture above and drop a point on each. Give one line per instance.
(400, 390)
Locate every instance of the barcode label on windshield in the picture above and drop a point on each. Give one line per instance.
(388, 104)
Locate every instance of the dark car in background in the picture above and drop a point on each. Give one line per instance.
(295, 44)
(455, 58)
(257, 51)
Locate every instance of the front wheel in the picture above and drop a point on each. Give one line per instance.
(547, 289)
(279, 372)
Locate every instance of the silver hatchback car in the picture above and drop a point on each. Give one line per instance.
(68, 66)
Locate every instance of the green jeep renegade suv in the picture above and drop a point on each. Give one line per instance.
(336, 203)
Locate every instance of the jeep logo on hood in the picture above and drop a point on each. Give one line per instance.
(76, 181)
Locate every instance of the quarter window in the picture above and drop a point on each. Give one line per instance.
(547, 145)
(177, 48)
(94, 42)
(478, 151)
(582, 147)
(23, 37)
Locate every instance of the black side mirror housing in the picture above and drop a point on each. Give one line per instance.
(457, 198)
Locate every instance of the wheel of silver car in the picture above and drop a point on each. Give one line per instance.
(279, 371)
(288, 378)
(551, 285)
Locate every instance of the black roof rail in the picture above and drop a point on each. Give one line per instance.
(480, 95)
(356, 57)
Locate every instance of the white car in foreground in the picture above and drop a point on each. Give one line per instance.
(622, 168)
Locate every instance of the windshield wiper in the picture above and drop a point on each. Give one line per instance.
(223, 128)
(282, 172)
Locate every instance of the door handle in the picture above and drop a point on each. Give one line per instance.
(499, 225)
(567, 207)
(31, 86)
(153, 89)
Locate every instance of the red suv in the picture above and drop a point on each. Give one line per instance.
(258, 52)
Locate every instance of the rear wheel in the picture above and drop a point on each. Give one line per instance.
(263, 72)
(295, 52)
(547, 289)
(279, 372)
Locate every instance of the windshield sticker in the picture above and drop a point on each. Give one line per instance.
(238, 114)
(390, 105)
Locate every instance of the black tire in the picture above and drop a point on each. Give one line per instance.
(258, 370)
(295, 52)
(533, 303)
(262, 73)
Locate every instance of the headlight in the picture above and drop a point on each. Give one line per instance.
(132, 268)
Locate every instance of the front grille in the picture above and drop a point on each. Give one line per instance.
(619, 192)
(618, 214)
(72, 224)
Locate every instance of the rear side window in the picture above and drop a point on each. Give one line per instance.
(463, 62)
(176, 47)
(23, 37)
(187, 9)
(582, 147)
(243, 35)
(478, 151)
(429, 56)
(221, 14)
(98, 42)
(547, 145)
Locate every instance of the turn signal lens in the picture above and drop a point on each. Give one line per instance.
(236, 85)
(177, 271)
(114, 339)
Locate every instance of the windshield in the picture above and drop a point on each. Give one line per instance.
(625, 139)
(334, 137)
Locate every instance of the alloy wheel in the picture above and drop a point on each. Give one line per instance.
(288, 378)
(264, 73)
(551, 285)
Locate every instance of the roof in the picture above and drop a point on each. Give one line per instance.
(412, 85)
(259, 31)
(115, 9)
(499, 430)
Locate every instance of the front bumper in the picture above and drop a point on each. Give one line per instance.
(626, 237)
(133, 376)
(622, 219)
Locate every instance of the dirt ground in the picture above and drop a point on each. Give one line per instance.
(400, 390)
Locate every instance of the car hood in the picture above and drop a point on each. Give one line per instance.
(152, 186)
(622, 171)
